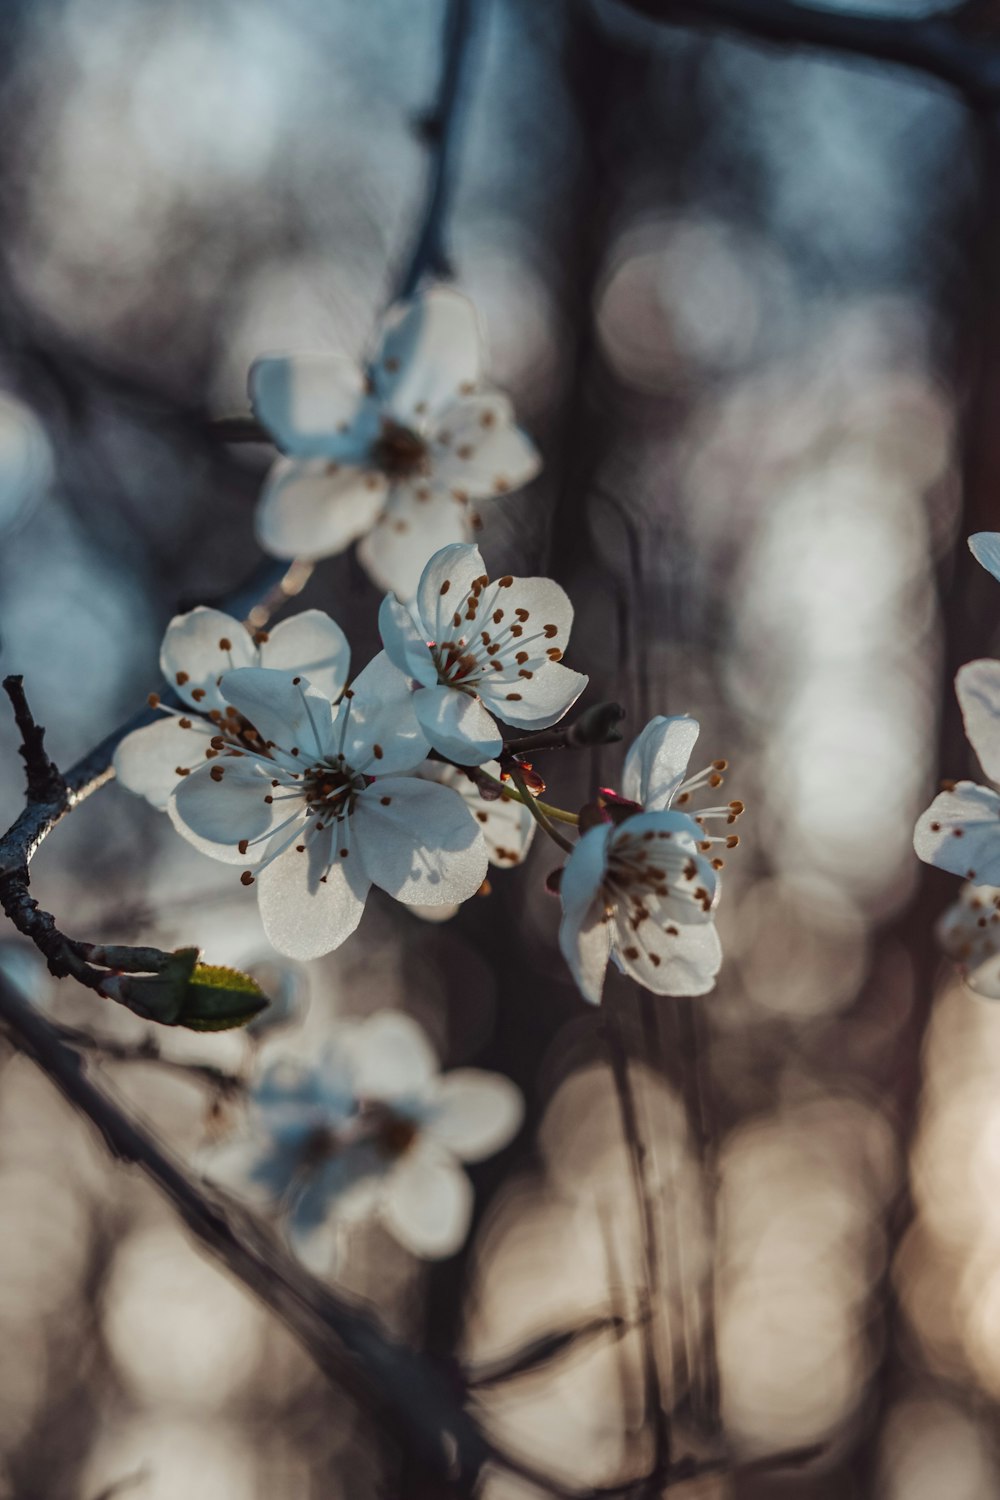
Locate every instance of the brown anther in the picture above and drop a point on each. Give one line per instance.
(522, 614)
(705, 845)
(268, 799)
(261, 637)
(153, 700)
(505, 582)
(948, 786)
(483, 817)
(497, 616)
(378, 752)
(243, 845)
(513, 697)
(517, 631)
(732, 840)
(181, 678)
(630, 953)
(501, 485)
(958, 833)
(182, 770)
(554, 654)
(211, 754)
(718, 864)
(197, 694)
(295, 750)
(737, 807)
(184, 723)
(488, 419)
(550, 630)
(446, 586)
(715, 780)
(225, 644)
(296, 681)
(300, 848)
(275, 783)
(385, 801)
(456, 620)
(217, 773)
(465, 451)
(246, 878)
(525, 672)
(217, 742)
(684, 797)
(720, 765)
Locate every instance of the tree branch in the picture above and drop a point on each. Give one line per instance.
(942, 45)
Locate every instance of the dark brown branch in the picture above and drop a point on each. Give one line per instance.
(44, 781)
(943, 45)
(595, 726)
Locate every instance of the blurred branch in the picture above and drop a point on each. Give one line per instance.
(440, 129)
(950, 45)
(652, 1292)
(543, 1350)
(341, 1338)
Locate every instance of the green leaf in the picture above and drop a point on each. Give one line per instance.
(184, 992)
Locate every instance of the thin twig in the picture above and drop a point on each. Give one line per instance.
(652, 1291)
(944, 45)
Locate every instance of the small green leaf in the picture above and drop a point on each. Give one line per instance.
(183, 992)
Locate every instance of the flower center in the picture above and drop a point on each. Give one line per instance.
(457, 666)
(399, 451)
(332, 789)
(319, 1145)
(391, 1134)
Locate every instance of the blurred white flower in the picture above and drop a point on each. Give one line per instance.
(393, 455)
(324, 808)
(969, 932)
(27, 465)
(371, 1127)
(508, 827)
(479, 650)
(985, 548)
(638, 888)
(960, 831)
(197, 649)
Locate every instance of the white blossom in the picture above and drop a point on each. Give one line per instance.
(969, 932)
(481, 651)
(325, 808)
(960, 831)
(370, 1127)
(394, 455)
(638, 888)
(198, 648)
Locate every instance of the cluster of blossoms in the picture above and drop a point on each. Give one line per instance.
(368, 1127)
(960, 831)
(320, 786)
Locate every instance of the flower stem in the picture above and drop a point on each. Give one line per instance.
(557, 814)
(535, 809)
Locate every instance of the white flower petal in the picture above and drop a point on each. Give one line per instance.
(666, 843)
(308, 905)
(508, 827)
(314, 645)
(404, 642)
(668, 958)
(149, 761)
(284, 709)
(584, 935)
(215, 815)
(456, 725)
(427, 1202)
(313, 405)
(474, 1113)
(392, 1058)
(383, 737)
(985, 548)
(977, 685)
(477, 449)
(250, 1164)
(984, 979)
(429, 353)
(537, 702)
(310, 508)
(419, 841)
(960, 832)
(657, 761)
(418, 519)
(444, 586)
(193, 658)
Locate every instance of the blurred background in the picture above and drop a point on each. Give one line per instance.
(744, 299)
